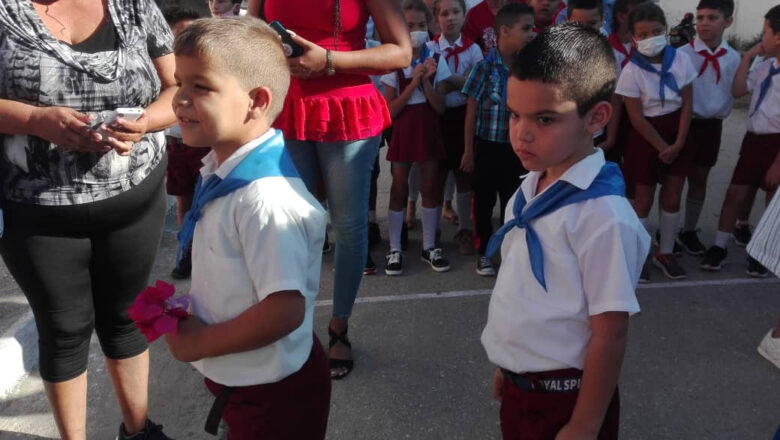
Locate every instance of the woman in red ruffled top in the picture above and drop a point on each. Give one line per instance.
(332, 122)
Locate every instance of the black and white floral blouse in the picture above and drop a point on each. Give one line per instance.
(37, 69)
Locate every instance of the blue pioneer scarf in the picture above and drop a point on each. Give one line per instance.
(667, 78)
(765, 84)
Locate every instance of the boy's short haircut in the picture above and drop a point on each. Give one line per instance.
(175, 14)
(462, 4)
(244, 47)
(587, 5)
(419, 6)
(647, 11)
(509, 15)
(726, 7)
(622, 7)
(560, 54)
(773, 17)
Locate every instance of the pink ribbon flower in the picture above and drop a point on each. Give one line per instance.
(156, 311)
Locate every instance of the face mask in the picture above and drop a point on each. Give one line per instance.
(652, 46)
(418, 38)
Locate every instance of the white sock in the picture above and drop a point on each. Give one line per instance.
(463, 208)
(449, 187)
(372, 216)
(722, 239)
(693, 209)
(430, 221)
(414, 182)
(395, 222)
(670, 223)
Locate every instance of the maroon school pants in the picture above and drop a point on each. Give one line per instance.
(296, 407)
(539, 415)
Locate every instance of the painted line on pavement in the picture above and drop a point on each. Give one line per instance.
(485, 292)
(15, 366)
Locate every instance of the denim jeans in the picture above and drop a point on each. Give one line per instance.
(345, 168)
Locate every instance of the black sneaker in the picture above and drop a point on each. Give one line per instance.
(435, 259)
(395, 263)
(713, 259)
(370, 268)
(485, 267)
(404, 237)
(184, 269)
(374, 236)
(326, 246)
(676, 250)
(644, 277)
(152, 431)
(689, 241)
(756, 269)
(669, 266)
(742, 234)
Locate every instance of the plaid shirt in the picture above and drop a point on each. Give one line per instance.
(487, 85)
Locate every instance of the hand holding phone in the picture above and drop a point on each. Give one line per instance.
(291, 48)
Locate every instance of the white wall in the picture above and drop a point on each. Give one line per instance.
(748, 14)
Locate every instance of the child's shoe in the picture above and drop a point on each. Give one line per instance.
(677, 250)
(689, 241)
(756, 269)
(374, 236)
(713, 259)
(769, 348)
(184, 269)
(742, 234)
(669, 266)
(485, 267)
(370, 268)
(152, 431)
(644, 277)
(465, 241)
(395, 263)
(435, 259)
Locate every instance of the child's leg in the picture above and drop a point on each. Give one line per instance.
(448, 211)
(643, 199)
(736, 198)
(431, 196)
(485, 189)
(398, 195)
(183, 204)
(413, 191)
(669, 201)
(463, 183)
(697, 192)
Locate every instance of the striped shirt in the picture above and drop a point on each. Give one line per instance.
(765, 244)
(487, 85)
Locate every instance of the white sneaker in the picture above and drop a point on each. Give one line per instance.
(770, 349)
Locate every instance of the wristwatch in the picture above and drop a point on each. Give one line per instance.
(330, 70)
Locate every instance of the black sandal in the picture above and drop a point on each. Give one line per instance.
(339, 364)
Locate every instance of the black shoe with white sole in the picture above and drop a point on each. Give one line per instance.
(669, 266)
(395, 263)
(689, 241)
(436, 260)
(742, 235)
(677, 250)
(713, 259)
(756, 269)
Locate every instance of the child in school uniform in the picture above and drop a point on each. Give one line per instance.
(717, 64)
(571, 248)
(487, 151)
(415, 106)
(759, 159)
(257, 237)
(461, 55)
(546, 12)
(656, 86)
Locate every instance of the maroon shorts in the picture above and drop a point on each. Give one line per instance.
(758, 153)
(184, 165)
(416, 135)
(704, 141)
(452, 135)
(296, 407)
(641, 163)
(539, 415)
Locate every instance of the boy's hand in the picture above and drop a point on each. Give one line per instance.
(498, 385)
(756, 50)
(467, 162)
(185, 345)
(430, 66)
(772, 177)
(570, 432)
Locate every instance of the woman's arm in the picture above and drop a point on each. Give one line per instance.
(62, 126)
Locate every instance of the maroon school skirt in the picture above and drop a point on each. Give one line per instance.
(704, 141)
(641, 164)
(756, 156)
(452, 134)
(184, 165)
(416, 135)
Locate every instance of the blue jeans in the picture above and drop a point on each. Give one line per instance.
(345, 168)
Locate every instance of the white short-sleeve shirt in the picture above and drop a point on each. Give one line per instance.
(593, 255)
(712, 99)
(635, 82)
(466, 61)
(418, 97)
(767, 119)
(260, 239)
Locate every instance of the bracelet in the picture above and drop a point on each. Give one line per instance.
(329, 69)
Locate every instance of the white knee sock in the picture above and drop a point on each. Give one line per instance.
(430, 222)
(463, 207)
(722, 239)
(449, 187)
(670, 223)
(395, 222)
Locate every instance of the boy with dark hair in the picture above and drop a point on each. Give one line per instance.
(587, 12)
(717, 63)
(759, 158)
(546, 12)
(572, 248)
(487, 151)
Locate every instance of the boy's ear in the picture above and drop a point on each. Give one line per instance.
(729, 21)
(261, 102)
(598, 117)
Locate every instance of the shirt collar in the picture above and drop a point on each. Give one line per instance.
(444, 44)
(581, 174)
(211, 166)
(699, 45)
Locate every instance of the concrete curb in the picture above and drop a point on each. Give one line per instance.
(19, 353)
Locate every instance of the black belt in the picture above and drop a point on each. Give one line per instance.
(544, 385)
(217, 409)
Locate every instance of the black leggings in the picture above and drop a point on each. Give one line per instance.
(81, 267)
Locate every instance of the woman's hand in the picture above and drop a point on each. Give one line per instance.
(66, 128)
(122, 134)
(312, 63)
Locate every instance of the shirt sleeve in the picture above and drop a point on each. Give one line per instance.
(442, 70)
(690, 70)
(159, 38)
(627, 84)
(475, 84)
(753, 79)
